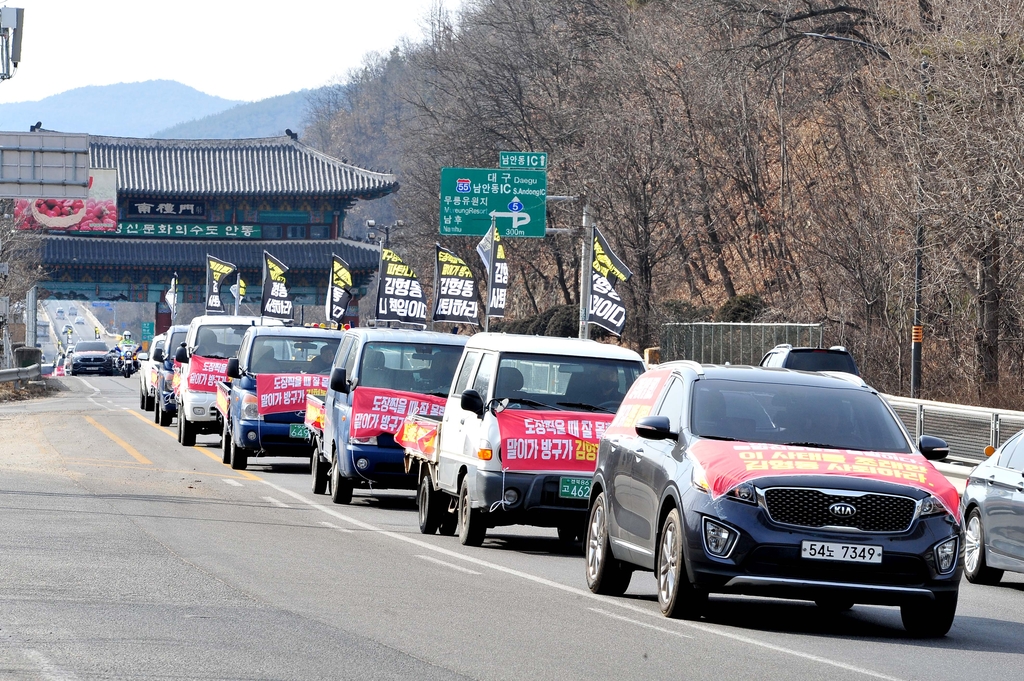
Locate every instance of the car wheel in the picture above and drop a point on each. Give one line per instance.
(150, 402)
(471, 522)
(157, 410)
(165, 416)
(142, 399)
(188, 432)
(449, 519)
(605, 575)
(341, 488)
(239, 457)
(225, 444)
(428, 503)
(318, 470)
(976, 568)
(676, 596)
(929, 619)
(179, 424)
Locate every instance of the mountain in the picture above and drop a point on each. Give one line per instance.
(265, 118)
(124, 109)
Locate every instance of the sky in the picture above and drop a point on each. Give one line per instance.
(236, 49)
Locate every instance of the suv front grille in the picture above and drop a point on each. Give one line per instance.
(806, 507)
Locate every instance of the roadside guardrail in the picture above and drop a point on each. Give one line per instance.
(28, 373)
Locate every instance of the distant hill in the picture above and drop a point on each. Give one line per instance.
(265, 118)
(124, 109)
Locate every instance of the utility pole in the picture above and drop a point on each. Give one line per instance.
(917, 333)
(31, 301)
(586, 264)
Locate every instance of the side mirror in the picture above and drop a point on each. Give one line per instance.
(142, 356)
(181, 355)
(233, 371)
(158, 355)
(655, 428)
(339, 380)
(933, 448)
(471, 401)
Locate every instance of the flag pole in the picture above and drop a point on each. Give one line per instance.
(238, 292)
(490, 276)
(586, 269)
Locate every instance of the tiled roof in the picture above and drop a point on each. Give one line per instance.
(270, 166)
(83, 251)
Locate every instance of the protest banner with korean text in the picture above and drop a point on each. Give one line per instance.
(399, 294)
(278, 393)
(540, 440)
(376, 411)
(454, 289)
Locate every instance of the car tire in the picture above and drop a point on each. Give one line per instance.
(606, 575)
(428, 505)
(929, 619)
(318, 471)
(472, 529)
(165, 416)
(239, 458)
(976, 567)
(150, 402)
(188, 432)
(449, 519)
(677, 597)
(157, 404)
(341, 488)
(225, 443)
(142, 399)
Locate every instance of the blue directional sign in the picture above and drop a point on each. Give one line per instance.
(515, 199)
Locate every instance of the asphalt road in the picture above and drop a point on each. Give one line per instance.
(125, 555)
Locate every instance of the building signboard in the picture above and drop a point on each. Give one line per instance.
(164, 209)
(189, 231)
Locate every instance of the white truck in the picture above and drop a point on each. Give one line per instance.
(517, 443)
(210, 342)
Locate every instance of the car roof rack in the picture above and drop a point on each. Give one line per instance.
(838, 348)
(688, 363)
(784, 346)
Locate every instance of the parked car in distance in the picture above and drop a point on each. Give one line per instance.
(79, 320)
(992, 507)
(835, 358)
(91, 357)
(60, 313)
(774, 483)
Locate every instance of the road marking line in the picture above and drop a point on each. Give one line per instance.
(275, 502)
(638, 623)
(124, 445)
(88, 385)
(585, 593)
(48, 669)
(335, 527)
(449, 565)
(99, 405)
(232, 482)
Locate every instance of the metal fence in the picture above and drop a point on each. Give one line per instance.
(21, 374)
(967, 430)
(732, 342)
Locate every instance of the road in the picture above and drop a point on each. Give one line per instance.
(125, 555)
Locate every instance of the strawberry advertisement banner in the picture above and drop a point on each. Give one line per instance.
(277, 393)
(377, 410)
(727, 464)
(538, 440)
(204, 373)
(96, 213)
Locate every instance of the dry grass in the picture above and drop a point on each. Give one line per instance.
(45, 388)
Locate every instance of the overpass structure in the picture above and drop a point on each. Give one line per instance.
(179, 200)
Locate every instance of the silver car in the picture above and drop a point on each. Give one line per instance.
(993, 508)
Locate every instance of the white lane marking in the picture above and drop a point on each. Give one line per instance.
(88, 385)
(47, 669)
(638, 623)
(449, 565)
(335, 527)
(585, 593)
(276, 502)
(229, 481)
(101, 406)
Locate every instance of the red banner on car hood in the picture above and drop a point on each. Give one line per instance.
(727, 464)
(376, 410)
(204, 373)
(278, 393)
(537, 440)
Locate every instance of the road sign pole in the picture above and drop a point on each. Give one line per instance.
(586, 265)
(490, 276)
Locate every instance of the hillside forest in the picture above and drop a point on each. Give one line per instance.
(767, 161)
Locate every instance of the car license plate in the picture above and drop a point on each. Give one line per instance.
(574, 488)
(298, 430)
(850, 553)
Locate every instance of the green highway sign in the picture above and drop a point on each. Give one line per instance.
(516, 199)
(148, 329)
(531, 160)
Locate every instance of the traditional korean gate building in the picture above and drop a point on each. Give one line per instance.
(179, 200)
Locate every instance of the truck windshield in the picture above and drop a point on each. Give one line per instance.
(574, 383)
(292, 355)
(422, 368)
(788, 414)
(219, 340)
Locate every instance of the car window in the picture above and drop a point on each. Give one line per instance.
(1012, 456)
(588, 383)
(786, 413)
(821, 360)
(425, 368)
(346, 347)
(468, 367)
(484, 374)
(292, 354)
(672, 404)
(91, 346)
(158, 344)
(219, 340)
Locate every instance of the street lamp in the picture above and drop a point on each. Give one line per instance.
(373, 232)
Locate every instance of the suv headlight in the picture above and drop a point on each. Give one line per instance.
(698, 477)
(744, 492)
(250, 408)
(945, 555)
(930, 505)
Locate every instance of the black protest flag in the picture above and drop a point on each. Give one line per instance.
(399, 294)
(339, 290)
(606, 308)
(492, 252)
(606, 263)
(454, 289)
(277, 301)
(217, 272)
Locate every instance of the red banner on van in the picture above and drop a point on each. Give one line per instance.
(538, 440)
(377, 410)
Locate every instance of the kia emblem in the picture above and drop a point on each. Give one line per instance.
(842, 510)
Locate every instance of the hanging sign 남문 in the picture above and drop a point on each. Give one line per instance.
(277, 301)
(399, 294)
(454, 289)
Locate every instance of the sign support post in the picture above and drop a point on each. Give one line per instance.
(490, 277)
(586, 268)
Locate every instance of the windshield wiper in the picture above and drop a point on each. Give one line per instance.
(821, 445)
(588, 407)
(532, 403)
(719, 437)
